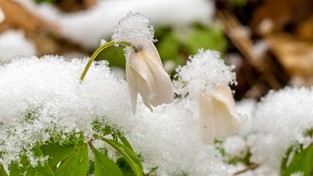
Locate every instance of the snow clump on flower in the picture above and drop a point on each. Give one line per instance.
(205, 79)
(205, 69)
(134, 28)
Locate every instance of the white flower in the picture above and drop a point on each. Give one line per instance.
(146, 76)
(217, 111)
(144, 70)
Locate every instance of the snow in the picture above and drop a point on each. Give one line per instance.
(280, 120)
(134, 28)
(50, 89)
(205, 69)
(169, 138)
(49, 100)
(273, 125)
(13, 43)
(236, 146)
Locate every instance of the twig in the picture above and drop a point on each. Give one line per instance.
(250, 167)
(237, 34)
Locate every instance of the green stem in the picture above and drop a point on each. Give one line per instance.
(99, 50)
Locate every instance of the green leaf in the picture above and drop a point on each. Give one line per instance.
(207, 38)
(16, 170)
(301, 162)
(238, 2)
(44, 1)
(124, 166)
(101, 127)
(114, 55)
(124, 141)
(57, 152)
(76, 164)
(2, 171)
(168, 46)
(40, 170)
(104, 166)
(44, 169)
(129, 155)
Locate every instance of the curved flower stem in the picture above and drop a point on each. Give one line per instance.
(99, 50)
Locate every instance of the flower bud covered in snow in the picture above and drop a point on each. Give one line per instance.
(144, 71)
(205, 79)
(217, 112)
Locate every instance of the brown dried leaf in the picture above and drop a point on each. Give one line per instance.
(235, 31)
(294, 54)
(274, 15)
(305, 29)
(75, 5)
(45, 35)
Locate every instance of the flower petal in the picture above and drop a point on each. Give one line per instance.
(142, 76)
(206, 115)
(226, 116)
(143, 89)
(132, 86)
(162, 90)
(217, 112)
(148, 78)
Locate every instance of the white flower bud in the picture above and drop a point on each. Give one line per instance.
(217, 111)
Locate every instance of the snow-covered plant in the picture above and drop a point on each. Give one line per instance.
(53, 123)
(276, 138)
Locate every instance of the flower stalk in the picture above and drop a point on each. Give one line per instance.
(100, 49)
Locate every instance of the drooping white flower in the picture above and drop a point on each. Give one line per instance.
(217, 112)
(144, 71)
(146, 76)
(205, 79)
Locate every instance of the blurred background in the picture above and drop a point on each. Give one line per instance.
(270, 42)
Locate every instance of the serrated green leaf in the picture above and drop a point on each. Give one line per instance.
(57, 152)
(301, 162)
(40, 170)
(104, 166)
(43, 170)
(129, 155)
(76, 164)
